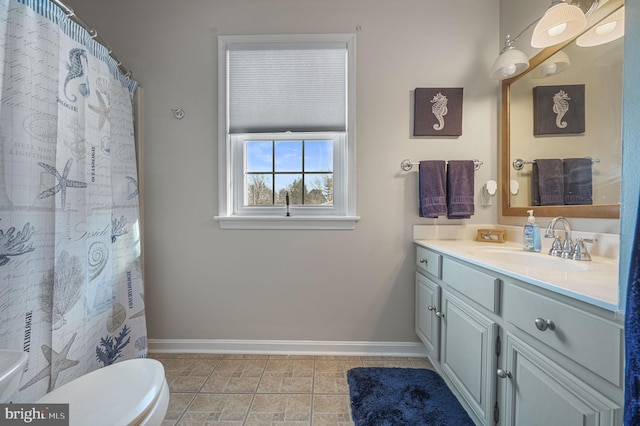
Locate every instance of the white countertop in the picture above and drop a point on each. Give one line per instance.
(594, 282)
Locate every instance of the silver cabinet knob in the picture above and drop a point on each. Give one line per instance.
(439, 314)
(544, 324)
(432, 308)
(503, 374)
(423, 260)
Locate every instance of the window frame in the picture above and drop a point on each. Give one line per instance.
(232, 214)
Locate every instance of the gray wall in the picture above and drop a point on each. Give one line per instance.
(206, 283)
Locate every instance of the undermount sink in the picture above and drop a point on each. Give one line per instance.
(530, 259)
(12, 364)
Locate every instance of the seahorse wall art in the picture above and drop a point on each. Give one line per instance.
(560, 107)
(437, 112)
(439, 109)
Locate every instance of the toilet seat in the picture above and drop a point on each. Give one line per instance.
(126, 393)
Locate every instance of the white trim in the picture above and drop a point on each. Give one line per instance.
(287, 347)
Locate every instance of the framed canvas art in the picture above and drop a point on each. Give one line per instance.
(558, 109)
(437, 112)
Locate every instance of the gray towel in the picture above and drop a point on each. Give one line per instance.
(460, 189)
(431, 188)
(578, 187)
(547, 182)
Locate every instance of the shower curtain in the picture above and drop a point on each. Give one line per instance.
(632, 335)
(71, 291)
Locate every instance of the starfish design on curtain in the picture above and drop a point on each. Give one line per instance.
(58, 362)
(102, 110)
(63, 182)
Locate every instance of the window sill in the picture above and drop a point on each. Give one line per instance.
(291, 222)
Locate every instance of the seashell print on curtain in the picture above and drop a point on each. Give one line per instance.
(71, 291)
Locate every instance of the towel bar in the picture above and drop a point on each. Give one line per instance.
(519, 163)
(407, 165)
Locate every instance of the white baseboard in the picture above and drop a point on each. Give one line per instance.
(287, 347)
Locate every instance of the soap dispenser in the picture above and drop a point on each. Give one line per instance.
(531, 234)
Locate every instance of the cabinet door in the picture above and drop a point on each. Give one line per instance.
(540, 392)
(468, 354)
(427, 324)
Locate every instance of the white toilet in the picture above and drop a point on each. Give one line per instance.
(132, 392)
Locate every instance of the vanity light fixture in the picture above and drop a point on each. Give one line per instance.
(510, 62)
(555, 64)
(561, 22)
(610, 29)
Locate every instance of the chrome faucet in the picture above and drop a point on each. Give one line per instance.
(565, 249)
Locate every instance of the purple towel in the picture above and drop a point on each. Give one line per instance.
(578, 188)
(460, 189)
(547, 182)
(431, 187)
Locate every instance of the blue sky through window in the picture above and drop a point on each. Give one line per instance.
(288, 156)
(318, 156)
(281, 163)
(259, 156)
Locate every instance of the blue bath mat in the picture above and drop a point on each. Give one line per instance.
(403, 397)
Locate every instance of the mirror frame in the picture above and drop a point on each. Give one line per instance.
(608, 211)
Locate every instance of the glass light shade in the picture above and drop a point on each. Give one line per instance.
(610, 29)
(510, 63)
(560, 22)
(553, 65)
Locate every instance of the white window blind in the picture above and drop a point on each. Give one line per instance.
(287, 89)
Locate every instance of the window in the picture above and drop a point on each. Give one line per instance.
(299, 172)
(286, 120)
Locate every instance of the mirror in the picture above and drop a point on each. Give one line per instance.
(599, 69)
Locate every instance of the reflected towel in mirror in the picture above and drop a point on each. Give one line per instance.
(547, 182)
(578, 188)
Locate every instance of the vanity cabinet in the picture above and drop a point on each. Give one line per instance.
(427, 324)
(516, 354)
(538, 391)
(467, 355)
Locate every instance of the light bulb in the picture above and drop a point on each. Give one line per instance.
(606, 28)
(508, 70)
(556, 30)
(549, 69)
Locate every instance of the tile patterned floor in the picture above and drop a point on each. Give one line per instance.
(261, 390)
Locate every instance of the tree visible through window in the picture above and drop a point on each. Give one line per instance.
(303, 169)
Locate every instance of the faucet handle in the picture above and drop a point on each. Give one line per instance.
(556, 246)
(580, 250)
(567, 248)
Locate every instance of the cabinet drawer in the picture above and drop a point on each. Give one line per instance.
(429, 261)
(589, 340)
(482, 288)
